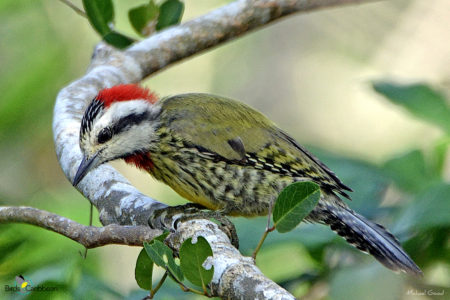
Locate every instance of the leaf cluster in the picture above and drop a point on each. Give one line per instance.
(192, 256)
(421, 174)
(145, 19)
(408, 193)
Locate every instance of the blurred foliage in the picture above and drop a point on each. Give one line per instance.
(408, 193)
(435, 110)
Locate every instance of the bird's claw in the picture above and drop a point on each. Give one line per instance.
(168, 218)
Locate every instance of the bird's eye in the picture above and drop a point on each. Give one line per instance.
(104, 135)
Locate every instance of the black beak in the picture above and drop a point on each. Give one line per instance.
(86, 165)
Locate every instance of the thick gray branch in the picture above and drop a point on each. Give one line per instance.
(217, 27)
(118, 202)
(88, 236)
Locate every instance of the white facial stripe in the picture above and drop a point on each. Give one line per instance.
(133, 139)
(119, 110)
(123, 108)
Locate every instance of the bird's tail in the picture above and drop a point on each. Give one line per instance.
(367, 236)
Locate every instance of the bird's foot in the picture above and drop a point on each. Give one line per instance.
(167, 218)
(219, 216)
(170, 217)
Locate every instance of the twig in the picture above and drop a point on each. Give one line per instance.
(266, 232)
(184, 287)
(91, 215)
(88, 236)
(74, 7)
(158, 286)
(261, 241)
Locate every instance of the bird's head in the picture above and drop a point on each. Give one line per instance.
(118, 123)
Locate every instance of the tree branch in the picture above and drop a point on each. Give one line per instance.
(217, 27)
(235, 277)
(88, 236)
(232, 271)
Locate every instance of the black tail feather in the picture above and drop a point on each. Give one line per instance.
(367, 236)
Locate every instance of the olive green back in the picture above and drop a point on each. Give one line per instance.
(211, 121)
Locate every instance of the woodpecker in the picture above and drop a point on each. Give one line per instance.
(224, 155)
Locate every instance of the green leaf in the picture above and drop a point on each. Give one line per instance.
(100, 14)
(419, 99)
(430, 209)
(118, 40)
(144, 271)
(140, 17)
(439, 155)
(170, 13)
(162, 256)
(410, 171)
(192, 257)
(428, 247)
(294, 203)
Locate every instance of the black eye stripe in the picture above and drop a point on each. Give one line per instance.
(120, 125)
(128, 121)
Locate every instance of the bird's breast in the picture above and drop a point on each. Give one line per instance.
(217, 184)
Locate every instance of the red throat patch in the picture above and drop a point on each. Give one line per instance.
(140, 160)
(125, 92)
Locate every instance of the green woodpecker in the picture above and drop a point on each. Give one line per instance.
(224, 155)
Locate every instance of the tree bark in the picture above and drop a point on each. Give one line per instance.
(88, 236)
